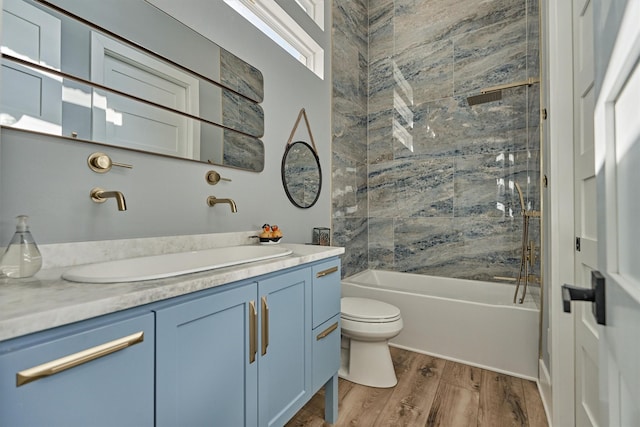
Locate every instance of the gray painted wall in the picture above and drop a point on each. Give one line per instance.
(47, 178)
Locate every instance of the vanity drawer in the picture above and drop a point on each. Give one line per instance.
(326, 352)
(326, 291)
(94, 376)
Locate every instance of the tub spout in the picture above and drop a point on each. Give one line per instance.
(212, 201)
(99, 195)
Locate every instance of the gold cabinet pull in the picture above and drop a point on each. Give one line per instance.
(327, 271)
(265, 325)
(76, 359)
(253, 336)
(327, 331)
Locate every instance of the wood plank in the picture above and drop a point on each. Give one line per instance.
(314, 409)
(454, 406)
(460, 375)
(412, 398)
(501, 401)
(305, 418)
(535, 409)
(362, 405)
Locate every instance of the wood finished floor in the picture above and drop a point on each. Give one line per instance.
(432, 392)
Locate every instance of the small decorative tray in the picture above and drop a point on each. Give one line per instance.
(270, 240)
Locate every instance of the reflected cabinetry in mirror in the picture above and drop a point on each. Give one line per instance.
(127, 74)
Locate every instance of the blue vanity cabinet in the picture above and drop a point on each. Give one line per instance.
(236, 357)
(206, 362)
(95, 373)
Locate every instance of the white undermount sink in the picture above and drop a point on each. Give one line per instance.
(169, 265)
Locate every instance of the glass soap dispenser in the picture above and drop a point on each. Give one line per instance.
(22, 257)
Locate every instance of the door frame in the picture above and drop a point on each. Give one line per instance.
(559, 80)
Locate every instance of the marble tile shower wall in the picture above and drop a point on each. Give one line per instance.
(349, 117)
(439, 181)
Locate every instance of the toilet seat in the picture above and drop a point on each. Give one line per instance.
(368, 311)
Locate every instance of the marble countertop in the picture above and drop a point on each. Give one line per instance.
(46, 300)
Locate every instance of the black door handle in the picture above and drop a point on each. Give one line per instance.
(595, 295)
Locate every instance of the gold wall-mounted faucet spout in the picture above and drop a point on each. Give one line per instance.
(212, 201)
(99, 195)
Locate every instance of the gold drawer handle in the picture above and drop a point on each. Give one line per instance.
(327, 272)
(253, 335)
(327, 331)
(265, 325)
(76, 359)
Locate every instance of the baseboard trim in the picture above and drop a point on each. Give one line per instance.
(544, 387)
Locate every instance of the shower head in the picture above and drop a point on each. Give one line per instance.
(485, 97)
(495, 93)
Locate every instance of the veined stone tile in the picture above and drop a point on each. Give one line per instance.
(494, 126)
(343, 185)
(349, 188)
(427, 20)
(483, 184)
(424, 243)
(350, 145)
(435, 132)
(450, 126)
(383, 192)
(429, 73)
(345, 68)
(381, 246)
(351, 18)
(533, 127)
(380, 134)
(381, 29)
(532, 198)
(533, 47)
(490, 56)
(491, 247)
(381, 81)
(425, 187)
(351, 233)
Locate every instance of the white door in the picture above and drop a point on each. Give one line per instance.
(122, 121)
(585, 214)
(617, 139)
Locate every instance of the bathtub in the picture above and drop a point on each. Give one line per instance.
(466, 321)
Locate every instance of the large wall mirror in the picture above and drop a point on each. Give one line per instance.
(126, 74)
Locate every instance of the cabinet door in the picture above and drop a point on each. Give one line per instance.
(100, 375)
(285, 346)
(204, 375)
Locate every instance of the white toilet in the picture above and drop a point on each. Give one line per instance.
(367, 326)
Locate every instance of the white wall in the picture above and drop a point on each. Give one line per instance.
(48, 179)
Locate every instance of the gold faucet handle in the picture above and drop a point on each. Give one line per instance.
(101, 163)
(214, 177)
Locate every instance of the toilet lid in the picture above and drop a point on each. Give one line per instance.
(368, 310)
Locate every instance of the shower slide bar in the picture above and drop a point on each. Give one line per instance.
(527, 252)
